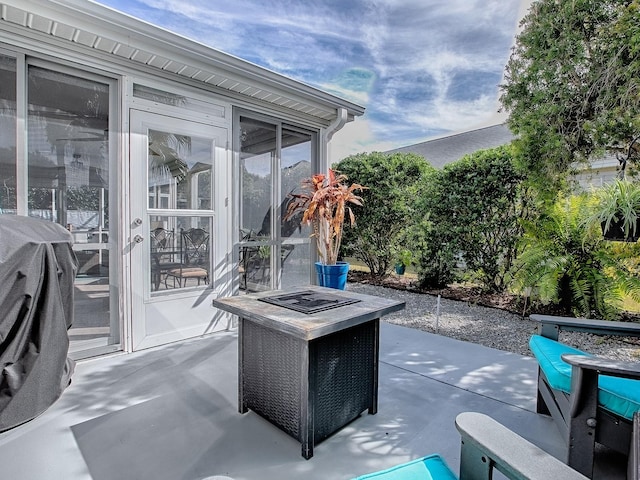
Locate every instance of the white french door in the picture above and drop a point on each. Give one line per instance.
(179, 232)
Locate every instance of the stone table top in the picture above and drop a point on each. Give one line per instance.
(308, 326)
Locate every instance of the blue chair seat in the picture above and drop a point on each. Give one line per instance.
(432, 467)
(620, 396)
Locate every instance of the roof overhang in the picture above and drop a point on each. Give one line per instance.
(88, 25)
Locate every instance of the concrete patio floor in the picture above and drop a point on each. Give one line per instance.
(171, 413)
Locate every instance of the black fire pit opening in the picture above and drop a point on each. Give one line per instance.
(308, 301)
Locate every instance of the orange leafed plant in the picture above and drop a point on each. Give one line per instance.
(324, 203)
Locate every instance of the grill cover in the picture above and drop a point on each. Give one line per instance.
(37, 271)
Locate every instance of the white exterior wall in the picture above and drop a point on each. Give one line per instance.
(80, 36)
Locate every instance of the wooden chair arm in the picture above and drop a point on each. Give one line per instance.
(585, 371)
(551, 325)
(486, 444)
(604, 366)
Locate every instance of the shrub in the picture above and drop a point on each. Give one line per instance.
(394, 182)
(475, 206)
(437, 260)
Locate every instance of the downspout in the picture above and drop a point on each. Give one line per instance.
(325, 137)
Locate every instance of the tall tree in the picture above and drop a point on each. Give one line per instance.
(572, 86)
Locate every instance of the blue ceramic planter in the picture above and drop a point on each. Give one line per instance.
(332, 276)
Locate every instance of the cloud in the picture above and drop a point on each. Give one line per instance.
(353, 84)
(355, 137)
(420, 67)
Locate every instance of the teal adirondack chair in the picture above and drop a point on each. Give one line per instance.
(485, 445)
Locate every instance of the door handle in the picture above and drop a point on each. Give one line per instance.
(138, 239)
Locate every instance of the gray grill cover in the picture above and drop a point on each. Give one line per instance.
(37, 271)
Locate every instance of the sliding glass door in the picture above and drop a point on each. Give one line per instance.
(273, 159)
(56, 166)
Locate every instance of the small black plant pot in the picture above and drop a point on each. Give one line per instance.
(616, 232)
(400, 268)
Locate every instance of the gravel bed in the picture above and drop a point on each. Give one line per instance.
(487, 326)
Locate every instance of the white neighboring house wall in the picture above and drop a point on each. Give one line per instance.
(600, 172)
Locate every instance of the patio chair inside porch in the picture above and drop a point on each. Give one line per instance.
(193, 256)
(164, 255)
(255, 261)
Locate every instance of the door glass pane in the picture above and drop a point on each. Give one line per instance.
(179, 171)
(258, 143)
(257, 151)
(295, 166)
(8, 199)
(179, 254)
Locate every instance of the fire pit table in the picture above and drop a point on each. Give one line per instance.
(308, 357)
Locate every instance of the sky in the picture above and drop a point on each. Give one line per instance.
(421, 68)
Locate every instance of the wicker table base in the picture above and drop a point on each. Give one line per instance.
(309, 375)
(309, 389)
